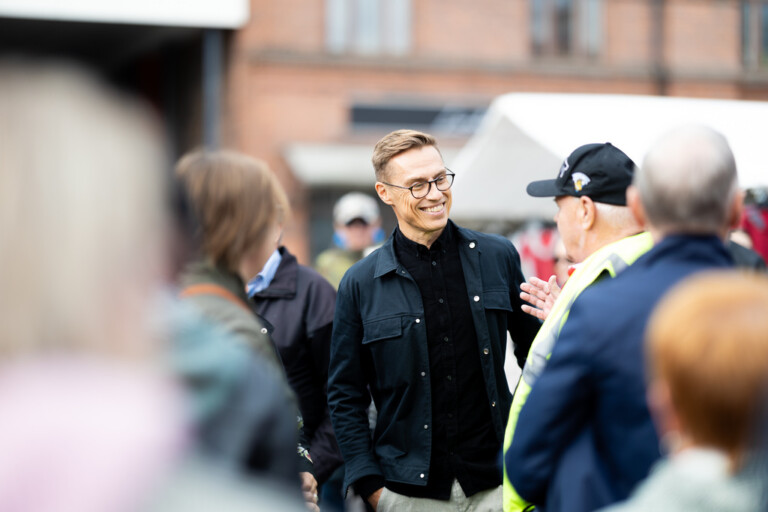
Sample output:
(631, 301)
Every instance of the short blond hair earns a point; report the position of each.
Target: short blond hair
(395, 143)
(235, 199)
(708, 342)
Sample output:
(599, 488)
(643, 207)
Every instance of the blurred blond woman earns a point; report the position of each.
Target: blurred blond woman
(88, 420)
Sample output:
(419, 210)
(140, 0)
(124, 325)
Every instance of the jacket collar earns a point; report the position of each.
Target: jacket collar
(708, 249)
(284, 283)
(387, 261)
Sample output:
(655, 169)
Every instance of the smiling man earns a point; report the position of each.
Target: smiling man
(421, 323)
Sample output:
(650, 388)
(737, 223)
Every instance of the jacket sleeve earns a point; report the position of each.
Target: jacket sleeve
(348, 394)
(555, 411)
(310, 367)
(319, 315)
(522, 326)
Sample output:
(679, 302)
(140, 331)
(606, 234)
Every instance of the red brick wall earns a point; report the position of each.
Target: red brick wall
(283, 88)
(703, 35)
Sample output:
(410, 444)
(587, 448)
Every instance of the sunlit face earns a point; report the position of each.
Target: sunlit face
(568, 226)
(420, 220)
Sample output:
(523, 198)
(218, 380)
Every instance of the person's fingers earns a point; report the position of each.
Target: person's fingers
(533, 292)
(533, 312)
(308, 482)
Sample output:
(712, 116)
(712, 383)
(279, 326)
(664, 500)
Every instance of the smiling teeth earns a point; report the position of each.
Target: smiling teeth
(434, 209)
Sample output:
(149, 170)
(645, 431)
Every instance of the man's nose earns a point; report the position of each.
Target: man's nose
(433, 192)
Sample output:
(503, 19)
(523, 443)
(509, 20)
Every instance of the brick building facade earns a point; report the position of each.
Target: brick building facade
(308, 78)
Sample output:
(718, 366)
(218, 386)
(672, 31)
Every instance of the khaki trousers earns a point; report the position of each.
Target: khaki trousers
(484, 501)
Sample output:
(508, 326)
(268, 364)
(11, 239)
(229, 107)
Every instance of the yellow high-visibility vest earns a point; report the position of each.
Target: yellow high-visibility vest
(606, 261)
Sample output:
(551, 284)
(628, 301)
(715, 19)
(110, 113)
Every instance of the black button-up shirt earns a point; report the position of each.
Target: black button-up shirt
(464, 443)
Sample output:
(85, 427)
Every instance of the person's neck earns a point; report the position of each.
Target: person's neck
(419, 237)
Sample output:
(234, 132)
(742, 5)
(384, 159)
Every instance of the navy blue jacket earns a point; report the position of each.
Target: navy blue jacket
(380, 343)
(585, 437)
(298, 308)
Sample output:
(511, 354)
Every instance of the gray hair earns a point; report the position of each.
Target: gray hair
(616, 216)
(688, 181)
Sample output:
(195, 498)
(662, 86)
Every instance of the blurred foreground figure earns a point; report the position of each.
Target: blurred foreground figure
(240, 208)
(584, 438)
(707, 352)
(89, 422)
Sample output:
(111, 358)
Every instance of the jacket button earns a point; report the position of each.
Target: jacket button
(493, 404)
(477, 298)
(263, 330)
(471, 245)
(418, 320)
(423, 374)
(426, 427)
(421, 475)
(486, 351)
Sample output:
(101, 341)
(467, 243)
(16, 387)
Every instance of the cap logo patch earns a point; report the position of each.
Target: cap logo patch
(563, 168)
(580, 180)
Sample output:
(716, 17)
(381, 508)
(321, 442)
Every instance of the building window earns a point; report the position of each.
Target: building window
(754, 31)
(566, 27)
(368, 27)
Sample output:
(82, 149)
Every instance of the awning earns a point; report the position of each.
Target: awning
(525, 137)
(184, 13)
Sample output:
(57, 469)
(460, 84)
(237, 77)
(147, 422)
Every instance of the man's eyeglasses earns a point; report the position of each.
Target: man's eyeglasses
(422, 188)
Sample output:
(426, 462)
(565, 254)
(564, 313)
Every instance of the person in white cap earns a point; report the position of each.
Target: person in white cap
(357, 227)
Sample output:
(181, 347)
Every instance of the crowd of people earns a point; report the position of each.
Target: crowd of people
(164, 351)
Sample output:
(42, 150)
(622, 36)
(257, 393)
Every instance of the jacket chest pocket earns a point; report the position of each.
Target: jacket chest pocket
(391, 345)
(497, 299)
(498, 307)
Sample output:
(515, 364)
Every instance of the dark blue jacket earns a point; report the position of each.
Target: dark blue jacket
(584, 437)
(380, 342)
(298, 308)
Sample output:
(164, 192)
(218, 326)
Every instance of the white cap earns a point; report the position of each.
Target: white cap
(356, 205)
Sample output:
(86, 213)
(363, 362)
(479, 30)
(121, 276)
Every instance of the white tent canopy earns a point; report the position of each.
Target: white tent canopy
(526, 136)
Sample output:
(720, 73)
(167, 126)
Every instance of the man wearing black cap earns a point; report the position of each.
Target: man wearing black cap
(585, 438)
(600, 233)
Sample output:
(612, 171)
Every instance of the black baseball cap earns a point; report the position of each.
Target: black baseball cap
(601, 172)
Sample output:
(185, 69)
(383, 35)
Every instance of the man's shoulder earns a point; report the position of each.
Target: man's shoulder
(363, 270)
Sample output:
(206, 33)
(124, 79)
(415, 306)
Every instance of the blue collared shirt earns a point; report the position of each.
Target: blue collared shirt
(264, 278)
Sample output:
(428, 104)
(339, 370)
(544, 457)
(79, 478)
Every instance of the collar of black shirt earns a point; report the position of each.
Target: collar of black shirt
(445, 241)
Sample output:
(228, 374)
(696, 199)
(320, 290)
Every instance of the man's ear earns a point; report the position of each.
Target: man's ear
(736, 210)
(587, 213)
(636, 205)
(383, 193)
(660, 406)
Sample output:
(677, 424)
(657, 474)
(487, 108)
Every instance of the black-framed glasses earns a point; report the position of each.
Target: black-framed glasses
(422, 188)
